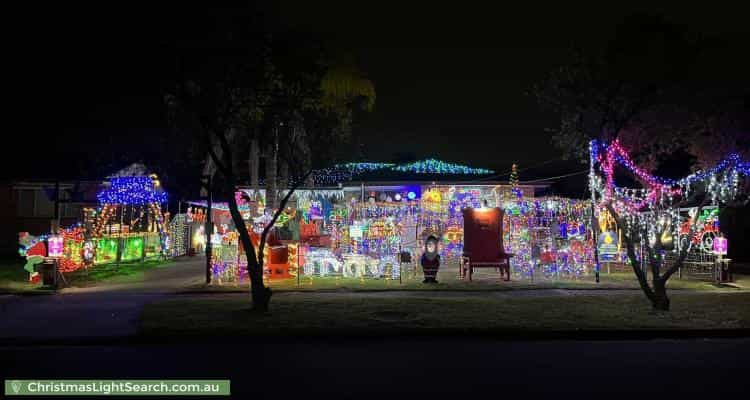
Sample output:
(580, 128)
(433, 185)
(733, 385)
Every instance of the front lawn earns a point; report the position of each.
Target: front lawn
(427, 314)
(113, 273)
(14, 279)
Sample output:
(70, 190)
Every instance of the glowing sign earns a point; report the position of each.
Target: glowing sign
(89, 251)
(608, 243)
(720, 246)
(355, 231)
(55, 246)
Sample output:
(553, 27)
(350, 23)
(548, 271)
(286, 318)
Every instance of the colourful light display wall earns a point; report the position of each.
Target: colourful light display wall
(133, 249)
(106, 250)
(356, 238)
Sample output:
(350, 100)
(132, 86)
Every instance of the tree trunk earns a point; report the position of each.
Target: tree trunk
(310, 181)
(210, 167)
(283, 176)
(272, 153)
(660, 300)
(254, 167)
(260, 294)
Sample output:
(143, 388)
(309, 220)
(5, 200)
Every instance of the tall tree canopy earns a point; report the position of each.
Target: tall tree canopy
(657, 87)
(284, 95)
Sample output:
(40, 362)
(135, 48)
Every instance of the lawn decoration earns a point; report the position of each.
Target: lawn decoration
(483, 242)
(34, 249)
(707, 228)
(131, 217)
(127, 226)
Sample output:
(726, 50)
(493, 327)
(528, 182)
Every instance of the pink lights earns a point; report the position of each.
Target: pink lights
(657, 188)
(720, 246)
(55, 246)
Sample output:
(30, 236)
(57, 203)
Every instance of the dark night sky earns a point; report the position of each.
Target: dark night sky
(450, 83)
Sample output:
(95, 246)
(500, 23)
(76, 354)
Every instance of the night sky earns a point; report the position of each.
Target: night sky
(451, 83)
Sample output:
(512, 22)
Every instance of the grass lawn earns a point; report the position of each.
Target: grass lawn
(483, 280)
(14, 279)
(325, 314)
(113, 273)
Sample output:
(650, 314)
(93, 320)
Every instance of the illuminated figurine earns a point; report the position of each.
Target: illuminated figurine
(34, 250)
(430, 260)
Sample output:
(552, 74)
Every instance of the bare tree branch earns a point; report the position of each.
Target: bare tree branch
(282, 206)
(629, 244)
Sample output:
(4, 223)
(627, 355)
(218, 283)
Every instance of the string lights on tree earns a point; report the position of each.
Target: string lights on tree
(650, 217)
(721, 181)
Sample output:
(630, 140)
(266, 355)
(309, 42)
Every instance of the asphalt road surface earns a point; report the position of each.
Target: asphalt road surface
(411, 368)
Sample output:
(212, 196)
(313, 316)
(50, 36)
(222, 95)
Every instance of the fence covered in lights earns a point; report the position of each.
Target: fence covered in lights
(379, 231)
(128, 225)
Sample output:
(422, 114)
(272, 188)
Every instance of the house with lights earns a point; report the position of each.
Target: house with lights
(357, 219)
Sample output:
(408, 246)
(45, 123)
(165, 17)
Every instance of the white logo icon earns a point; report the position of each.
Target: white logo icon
(16, 385)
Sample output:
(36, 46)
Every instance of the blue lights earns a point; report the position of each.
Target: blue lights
(131, 190)
(345, 172)
(433, 166)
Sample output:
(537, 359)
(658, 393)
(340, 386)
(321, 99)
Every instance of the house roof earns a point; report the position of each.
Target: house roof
(426, 170)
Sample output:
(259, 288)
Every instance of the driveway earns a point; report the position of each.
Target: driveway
(182, 273)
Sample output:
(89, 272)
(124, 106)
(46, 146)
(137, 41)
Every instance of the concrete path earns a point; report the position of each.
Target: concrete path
(181, 274)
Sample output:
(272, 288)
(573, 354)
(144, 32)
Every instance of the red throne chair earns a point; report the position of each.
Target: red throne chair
(277, 260)
(483, 242)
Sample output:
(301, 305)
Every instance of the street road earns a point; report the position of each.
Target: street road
(413, 368)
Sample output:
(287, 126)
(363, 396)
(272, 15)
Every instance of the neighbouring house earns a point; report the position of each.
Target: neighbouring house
(29, 206)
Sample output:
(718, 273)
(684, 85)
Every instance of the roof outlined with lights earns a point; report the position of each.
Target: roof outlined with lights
(423, 169)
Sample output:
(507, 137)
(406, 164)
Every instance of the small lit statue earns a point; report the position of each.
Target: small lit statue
(430, 260)
(34, 249)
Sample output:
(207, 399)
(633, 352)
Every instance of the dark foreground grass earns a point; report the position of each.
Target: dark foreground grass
(321, 314)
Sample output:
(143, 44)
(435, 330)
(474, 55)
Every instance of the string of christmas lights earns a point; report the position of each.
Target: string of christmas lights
(433, 166)
(722, 180)
(131, 190)
(346, 172)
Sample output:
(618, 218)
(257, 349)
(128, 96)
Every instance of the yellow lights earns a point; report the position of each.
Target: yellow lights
(433, 195)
